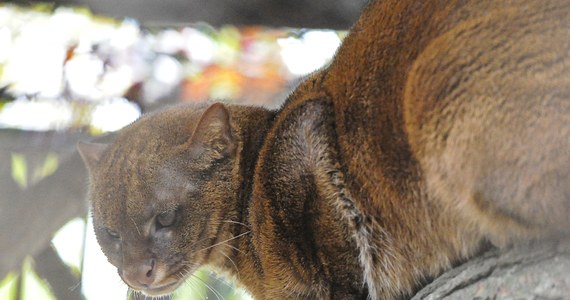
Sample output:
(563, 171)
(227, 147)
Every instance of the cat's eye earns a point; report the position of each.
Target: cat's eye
(166, 218)
(113, 234)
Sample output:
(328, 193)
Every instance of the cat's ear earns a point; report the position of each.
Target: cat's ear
(214, 133)
(91, 153)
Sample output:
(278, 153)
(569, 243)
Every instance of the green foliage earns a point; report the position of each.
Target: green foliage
(33, 287)
(194, 288)
(48, 167)
(19, 170)
(9, 286)
(203, 284)
(43, 7)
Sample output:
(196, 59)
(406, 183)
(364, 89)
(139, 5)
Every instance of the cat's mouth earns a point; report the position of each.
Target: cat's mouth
(164, 286)
(162, 290)
(155, 278)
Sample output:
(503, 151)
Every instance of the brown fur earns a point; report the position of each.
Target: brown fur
(439, 125)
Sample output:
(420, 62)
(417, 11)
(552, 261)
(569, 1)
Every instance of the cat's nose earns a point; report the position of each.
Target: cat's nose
(142, 275)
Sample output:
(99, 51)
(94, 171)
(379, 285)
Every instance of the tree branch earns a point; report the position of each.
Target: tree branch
(51, 268)
(530, 271)
(29, 218)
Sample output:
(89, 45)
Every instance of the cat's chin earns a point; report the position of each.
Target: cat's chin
(162, 290)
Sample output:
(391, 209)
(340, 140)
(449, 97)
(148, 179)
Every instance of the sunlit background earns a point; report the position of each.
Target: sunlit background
(65, 69)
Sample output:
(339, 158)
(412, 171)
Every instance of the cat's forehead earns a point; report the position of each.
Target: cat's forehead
(124, 213)
(135, 177)
(137, 188)
(121, 188)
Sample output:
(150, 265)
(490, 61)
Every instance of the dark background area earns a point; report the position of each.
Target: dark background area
(331, 14)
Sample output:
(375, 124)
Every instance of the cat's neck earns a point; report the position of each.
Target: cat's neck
(252, 125)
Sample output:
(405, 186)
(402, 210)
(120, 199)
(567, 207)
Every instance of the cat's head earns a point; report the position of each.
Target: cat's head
(161, 194)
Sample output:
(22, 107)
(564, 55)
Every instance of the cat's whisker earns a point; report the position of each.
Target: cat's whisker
(226, 221)
(191, 280)
(134, 293)
(174, 294)
(235, 248)
(187, 266)
(216, 293)
(225, 241)
(196, 242)
(238, 223)
(192, 285)
(136, 226)
(233, 263)
(144, 296)
(220, 280)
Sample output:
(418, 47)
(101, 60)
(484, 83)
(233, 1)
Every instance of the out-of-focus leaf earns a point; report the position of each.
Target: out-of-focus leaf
(33, 287)
(82, 10)
(9, 287)
(95, 131)
(342, 34)
(227, 51)
(49, 167)
(19, 170)
(43, 7)
(230, 36)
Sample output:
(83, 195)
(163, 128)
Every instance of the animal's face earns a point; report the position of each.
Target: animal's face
(160, 199)
(147, 232)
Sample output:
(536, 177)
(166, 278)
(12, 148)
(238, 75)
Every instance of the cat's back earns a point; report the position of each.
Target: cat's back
(442, 92)
(430, 97)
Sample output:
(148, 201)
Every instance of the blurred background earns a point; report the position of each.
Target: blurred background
(81, 70)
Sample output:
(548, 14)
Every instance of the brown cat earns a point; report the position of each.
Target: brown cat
(438, 126)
